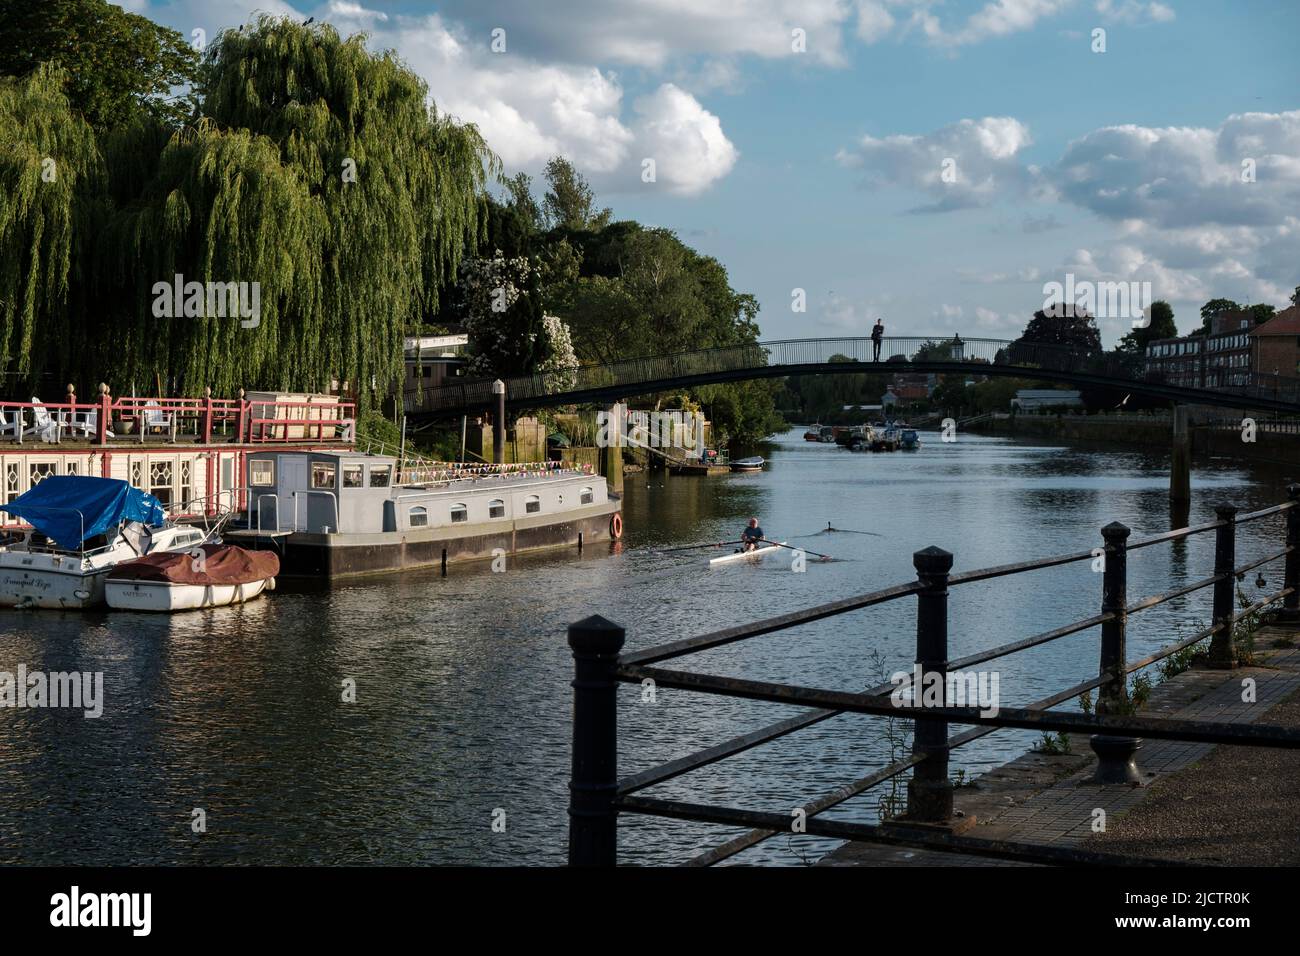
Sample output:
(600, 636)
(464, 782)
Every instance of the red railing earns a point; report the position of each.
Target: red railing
(118, 420)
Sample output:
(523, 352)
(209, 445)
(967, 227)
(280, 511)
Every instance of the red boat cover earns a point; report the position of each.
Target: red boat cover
(220, 564)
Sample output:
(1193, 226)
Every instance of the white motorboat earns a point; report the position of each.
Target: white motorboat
(214, 575)
(82, 528)
(756, 555)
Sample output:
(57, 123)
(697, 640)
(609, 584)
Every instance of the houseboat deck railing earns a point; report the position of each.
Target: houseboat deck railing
(446, 474)
(235, 420)
(260, 499)
(306, 494)
(598, 796)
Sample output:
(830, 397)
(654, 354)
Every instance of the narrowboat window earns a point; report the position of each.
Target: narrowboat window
(322, 474)
(379, 475)
(587, 496)
(532, 504)
(261, 473)
(351, 476)
(418, 517)
(496, 508)
(459, 513)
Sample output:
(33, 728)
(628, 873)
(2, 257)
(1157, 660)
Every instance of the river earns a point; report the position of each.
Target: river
(462, 702)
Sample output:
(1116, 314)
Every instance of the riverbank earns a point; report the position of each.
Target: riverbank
(1199, 804)
(1274, 443)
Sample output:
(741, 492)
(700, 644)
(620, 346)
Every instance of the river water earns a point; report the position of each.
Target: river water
(461, 716)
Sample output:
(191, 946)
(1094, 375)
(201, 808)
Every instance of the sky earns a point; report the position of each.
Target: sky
(933, 163)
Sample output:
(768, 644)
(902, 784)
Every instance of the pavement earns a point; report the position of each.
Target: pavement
(1199, 804)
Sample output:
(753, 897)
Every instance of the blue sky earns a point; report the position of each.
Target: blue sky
(821, 168)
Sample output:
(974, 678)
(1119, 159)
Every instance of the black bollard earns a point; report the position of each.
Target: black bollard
(929, 792)
(593, 785)
(1222, 656)
(1115, 755)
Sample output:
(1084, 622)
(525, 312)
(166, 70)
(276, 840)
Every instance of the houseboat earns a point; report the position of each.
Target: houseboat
(334, 514)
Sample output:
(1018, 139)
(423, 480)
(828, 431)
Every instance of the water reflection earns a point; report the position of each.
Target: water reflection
(462, 695)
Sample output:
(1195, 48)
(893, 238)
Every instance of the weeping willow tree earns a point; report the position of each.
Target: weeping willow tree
(51, 180)
(220, 208)
(392, 195)
(318, 171)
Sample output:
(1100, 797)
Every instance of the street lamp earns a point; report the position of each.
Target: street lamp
(499, 423)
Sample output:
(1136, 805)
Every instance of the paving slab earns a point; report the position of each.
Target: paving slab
(1199, 803)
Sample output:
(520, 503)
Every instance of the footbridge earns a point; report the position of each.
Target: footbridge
(944, 354)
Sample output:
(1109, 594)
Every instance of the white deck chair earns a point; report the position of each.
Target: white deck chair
(88, 426)
(155, 417)
(46, 427)
(10, 428)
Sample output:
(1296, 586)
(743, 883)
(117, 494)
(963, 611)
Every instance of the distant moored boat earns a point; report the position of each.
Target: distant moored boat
(748, 464)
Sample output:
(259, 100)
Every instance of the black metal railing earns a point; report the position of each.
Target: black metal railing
(598, 796)
(647, 374)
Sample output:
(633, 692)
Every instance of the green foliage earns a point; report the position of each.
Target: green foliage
(1140, 691)
(317, 170)
(892, 800)
(1068, 326)
(1216, 307)
(625, 291)
(372, 426)
(117, 66)
(1053, 745)
(51, 182)
(1244, 630)
(822, 398)
(1161, 326)
(1180, 661)
(569, 202)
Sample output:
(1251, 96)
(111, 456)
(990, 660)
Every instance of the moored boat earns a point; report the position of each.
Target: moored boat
(82, 528)
(911, 441)
(856, 438)
(214, 575)
(331, 514)
(888, 440)
(748, 464)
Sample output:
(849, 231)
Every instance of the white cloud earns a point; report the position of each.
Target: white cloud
(527, 109)
(874, 21)
(838, 314)
(968, 163)
(651, 33)
(1134, 11)
(1186, 176)
(684, 139)
(1183, 217)
(998, 18)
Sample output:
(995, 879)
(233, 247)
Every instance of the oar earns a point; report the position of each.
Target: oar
(693, 547)
(815, 554)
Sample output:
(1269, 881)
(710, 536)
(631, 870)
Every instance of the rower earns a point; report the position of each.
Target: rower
(751, 536)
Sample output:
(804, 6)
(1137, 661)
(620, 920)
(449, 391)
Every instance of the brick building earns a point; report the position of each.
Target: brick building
(1218, 360)
(1275, 344)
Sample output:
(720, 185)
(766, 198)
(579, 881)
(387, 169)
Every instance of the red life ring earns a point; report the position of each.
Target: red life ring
(616, 526)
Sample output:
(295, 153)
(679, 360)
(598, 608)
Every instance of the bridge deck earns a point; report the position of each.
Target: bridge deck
(1122, 372)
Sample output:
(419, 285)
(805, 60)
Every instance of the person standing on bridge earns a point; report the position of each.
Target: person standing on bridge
(877, 333)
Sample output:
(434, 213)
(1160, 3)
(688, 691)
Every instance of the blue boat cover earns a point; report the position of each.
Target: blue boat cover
(68, 509)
